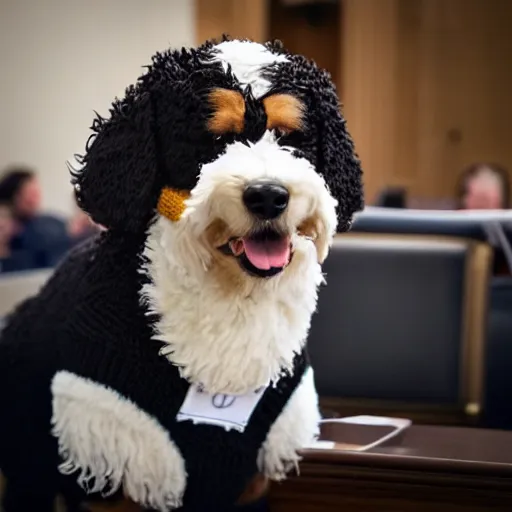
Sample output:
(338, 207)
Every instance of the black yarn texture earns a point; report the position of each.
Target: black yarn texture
(89, 318)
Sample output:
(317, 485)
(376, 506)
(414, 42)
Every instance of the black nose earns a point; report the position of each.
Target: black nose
(266, 199)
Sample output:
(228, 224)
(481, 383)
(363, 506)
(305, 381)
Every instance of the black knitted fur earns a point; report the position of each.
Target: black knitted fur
(157, 136)
(89, 318)
(88, 321)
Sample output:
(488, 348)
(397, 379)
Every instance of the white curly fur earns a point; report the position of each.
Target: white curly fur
(296, 428)
(237, 342)
(246, 59)
(113, 444)
(239, 339)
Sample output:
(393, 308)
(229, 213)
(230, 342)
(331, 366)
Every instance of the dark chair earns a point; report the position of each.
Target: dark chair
(498, 372)
(400, 327)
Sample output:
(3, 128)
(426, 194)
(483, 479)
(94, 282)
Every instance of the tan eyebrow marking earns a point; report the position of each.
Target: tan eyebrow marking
(228, 111)
(284, 112)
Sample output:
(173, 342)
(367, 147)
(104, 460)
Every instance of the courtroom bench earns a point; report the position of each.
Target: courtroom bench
(429, 469)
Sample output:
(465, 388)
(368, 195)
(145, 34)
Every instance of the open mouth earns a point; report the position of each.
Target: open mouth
(262, 254)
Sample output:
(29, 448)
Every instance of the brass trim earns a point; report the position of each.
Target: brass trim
(473, 409)
(477, 274)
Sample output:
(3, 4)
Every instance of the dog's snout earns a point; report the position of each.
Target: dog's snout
(266, 199)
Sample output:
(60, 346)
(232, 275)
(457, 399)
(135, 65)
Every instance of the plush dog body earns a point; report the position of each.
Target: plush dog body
(221, 177)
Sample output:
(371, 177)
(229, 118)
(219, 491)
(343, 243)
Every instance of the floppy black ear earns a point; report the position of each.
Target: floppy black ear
(325, 139)
(148, 140)
(337, 160)
(116, 184)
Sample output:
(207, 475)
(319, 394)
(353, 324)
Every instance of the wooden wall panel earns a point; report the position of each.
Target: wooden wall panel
(369, 78)
(426, 87)
(406, 122)
(238, 18)
(312, 30)
(465, 111)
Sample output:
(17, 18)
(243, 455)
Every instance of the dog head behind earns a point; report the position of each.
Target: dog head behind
(252, 135)
(241, 154)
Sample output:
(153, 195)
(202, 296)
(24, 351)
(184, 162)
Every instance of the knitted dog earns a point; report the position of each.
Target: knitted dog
(165, 361)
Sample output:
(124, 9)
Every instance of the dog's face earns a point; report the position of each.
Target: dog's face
(255, 209)
(243, 151)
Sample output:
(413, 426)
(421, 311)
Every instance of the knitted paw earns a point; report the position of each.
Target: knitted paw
(113, 444)
(296, 428)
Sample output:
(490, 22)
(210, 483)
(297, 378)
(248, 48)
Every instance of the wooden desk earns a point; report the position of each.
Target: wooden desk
(429, 469)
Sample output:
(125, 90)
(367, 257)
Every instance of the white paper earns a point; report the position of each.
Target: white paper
(398, 425)
(321, 445)
(227, 411)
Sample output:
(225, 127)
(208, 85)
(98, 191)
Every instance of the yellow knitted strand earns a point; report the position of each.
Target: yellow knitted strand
(172, 203)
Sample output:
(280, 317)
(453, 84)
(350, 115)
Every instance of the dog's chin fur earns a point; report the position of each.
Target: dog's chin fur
(226, 329)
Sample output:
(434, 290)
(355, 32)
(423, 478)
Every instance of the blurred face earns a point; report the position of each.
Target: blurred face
(484, 192)
(28, 200)
(6, 224)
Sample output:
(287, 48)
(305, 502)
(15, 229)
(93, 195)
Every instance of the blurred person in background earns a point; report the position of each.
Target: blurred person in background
(43, 237)
(10, 260)
(483, 187)
(392, 197)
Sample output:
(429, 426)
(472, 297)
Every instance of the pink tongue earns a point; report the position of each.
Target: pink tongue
(264, 254)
